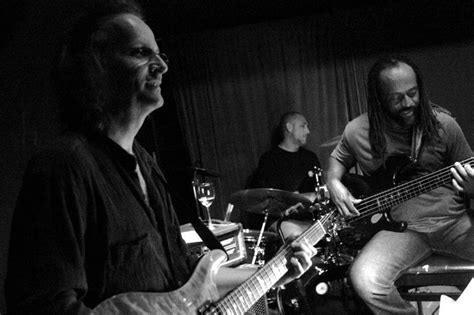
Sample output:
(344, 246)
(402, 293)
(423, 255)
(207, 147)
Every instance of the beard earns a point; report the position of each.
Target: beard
(404, 117)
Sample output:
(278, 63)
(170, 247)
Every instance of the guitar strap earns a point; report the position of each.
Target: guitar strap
(416, 141)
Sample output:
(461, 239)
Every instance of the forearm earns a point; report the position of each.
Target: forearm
(334, 172)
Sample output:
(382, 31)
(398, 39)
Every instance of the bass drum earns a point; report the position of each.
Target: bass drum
(324, 288)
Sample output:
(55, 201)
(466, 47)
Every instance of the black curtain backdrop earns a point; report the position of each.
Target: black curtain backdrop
(231, 86)
(227, 87)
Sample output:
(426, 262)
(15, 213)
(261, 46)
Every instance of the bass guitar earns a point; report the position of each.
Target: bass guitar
(375, 206)
(199, 294)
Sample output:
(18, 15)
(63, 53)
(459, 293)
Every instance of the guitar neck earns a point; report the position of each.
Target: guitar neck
(244, 296)
(387, 199)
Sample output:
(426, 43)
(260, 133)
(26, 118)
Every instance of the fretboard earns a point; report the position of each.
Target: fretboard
(387, 199)
(244, 296)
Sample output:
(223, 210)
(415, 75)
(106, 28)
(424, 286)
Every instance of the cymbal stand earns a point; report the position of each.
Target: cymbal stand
(322, 196)
(258, 249)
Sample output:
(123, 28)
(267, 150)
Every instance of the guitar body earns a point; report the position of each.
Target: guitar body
(200, 296)
(198, 290)
(397, 169)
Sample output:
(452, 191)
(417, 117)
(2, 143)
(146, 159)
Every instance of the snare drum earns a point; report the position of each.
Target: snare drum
(269, 245)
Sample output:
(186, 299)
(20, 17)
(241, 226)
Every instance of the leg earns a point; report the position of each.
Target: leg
(456, 239)
(378, 265)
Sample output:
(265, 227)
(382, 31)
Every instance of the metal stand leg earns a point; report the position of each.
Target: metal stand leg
(258, 249)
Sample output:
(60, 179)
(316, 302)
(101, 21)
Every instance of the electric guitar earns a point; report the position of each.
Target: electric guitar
(375, 208)
(199, 293)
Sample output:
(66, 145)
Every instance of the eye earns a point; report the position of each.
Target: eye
(412, 93)
(164, 57)
(395, 99)
(141, 52)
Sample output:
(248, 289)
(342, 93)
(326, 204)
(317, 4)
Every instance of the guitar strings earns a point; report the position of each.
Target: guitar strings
(236, 299)
(391, 196)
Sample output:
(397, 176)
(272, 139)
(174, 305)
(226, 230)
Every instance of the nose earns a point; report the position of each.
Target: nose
(158, 68)
(408, 101)
(159, 65)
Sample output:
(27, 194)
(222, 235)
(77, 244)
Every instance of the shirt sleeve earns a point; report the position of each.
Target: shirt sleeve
(343, 152)
(46, 270)
(458, 147)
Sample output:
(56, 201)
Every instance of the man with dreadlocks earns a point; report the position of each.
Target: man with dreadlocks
(402, 121)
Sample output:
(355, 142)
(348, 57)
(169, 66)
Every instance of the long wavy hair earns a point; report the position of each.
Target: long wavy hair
(378, 117)
(78, 74)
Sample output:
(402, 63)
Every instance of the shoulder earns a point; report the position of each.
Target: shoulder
(359, 122)
(445, 118)
(308, 152)
(447, 122)
(357, 129)
(68, 151)
(276, 151)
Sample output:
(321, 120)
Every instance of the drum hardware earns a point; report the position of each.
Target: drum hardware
(266, 201)
(261, 246)
(326, 279)
(258, 249)
(320, 189)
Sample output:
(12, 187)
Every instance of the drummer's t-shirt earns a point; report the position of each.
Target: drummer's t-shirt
(290, 171)
(280, 169)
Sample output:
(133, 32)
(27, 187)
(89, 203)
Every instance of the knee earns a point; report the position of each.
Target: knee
(365, 280)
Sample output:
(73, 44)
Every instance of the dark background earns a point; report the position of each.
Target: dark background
(439, 34)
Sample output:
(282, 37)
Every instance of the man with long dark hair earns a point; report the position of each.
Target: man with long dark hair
(94, 217)
(401, 121)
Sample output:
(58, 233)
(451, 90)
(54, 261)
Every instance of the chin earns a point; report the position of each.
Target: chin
(154, 102)
(160, 103)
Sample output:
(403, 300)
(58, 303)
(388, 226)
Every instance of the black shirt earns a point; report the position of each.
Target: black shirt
(83, 232)
(285, 170)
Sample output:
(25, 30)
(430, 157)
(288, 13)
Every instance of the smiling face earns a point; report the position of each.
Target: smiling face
(132, 63)
(400, 94)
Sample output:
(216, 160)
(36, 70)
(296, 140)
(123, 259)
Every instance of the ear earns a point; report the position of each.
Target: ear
(289, 126)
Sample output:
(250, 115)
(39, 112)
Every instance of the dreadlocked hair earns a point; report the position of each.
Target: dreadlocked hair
(425, 120)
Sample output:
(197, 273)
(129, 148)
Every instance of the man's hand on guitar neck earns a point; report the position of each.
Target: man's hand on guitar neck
(463, 178)
(300, 260)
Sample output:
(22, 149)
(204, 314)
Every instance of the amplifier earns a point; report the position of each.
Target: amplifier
(229, 234)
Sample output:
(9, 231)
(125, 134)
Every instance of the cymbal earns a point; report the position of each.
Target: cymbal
(330, 142)
(267, 200)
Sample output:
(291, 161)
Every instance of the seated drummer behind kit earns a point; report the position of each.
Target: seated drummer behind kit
(401, 120)
(94, 217)
(288, 166)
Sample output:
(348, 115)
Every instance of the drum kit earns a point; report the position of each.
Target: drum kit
(330, 265)
(327, 277)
